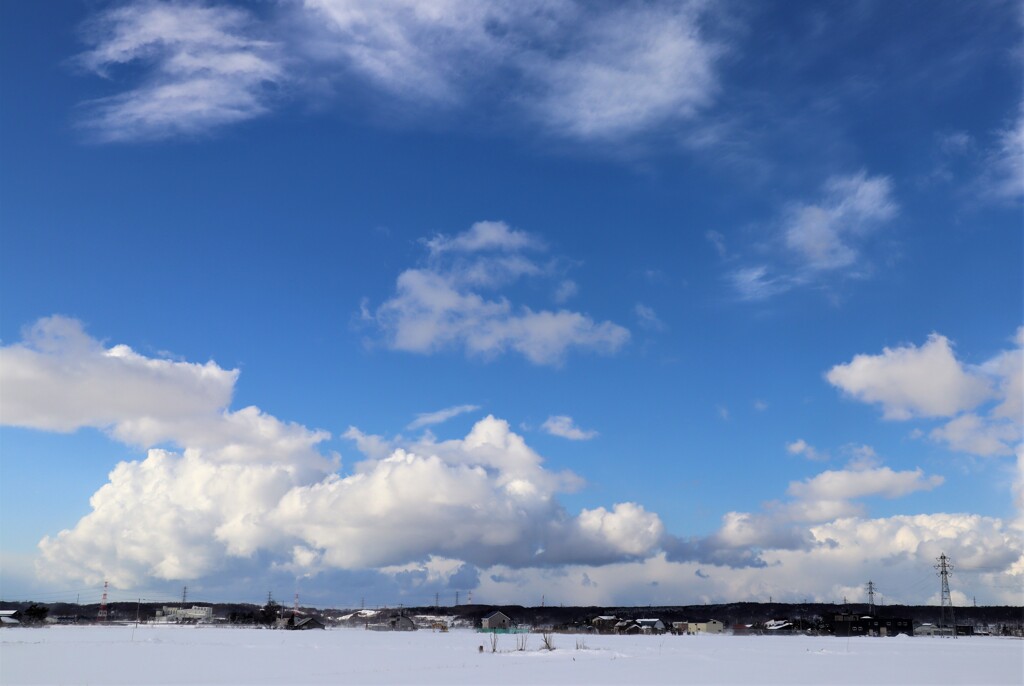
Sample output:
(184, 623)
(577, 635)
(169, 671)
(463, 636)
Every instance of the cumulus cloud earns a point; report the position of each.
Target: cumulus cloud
(842, 553)
(744, 537)
(440, 416)
(859, 483)
(930, 382)
(204, 67)
(911, 381)
(245, 485)
(59, 378)
(246, 491)
(564, 426)
(440, 305)
(485, 499)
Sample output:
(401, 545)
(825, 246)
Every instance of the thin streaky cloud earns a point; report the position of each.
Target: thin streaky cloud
(440, 416)
(203, 68)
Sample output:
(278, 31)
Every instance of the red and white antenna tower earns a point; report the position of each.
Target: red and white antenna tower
(102, 615)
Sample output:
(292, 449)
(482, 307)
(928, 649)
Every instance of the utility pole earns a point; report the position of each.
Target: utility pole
(871, 598)
(944, 568)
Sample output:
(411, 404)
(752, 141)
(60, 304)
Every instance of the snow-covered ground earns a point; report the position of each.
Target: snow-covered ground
(207, 655)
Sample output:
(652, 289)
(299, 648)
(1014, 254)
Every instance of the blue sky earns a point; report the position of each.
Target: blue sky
(616, 303)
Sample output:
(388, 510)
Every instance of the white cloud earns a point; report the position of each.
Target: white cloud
(580, 70)
(859, 483)
(970, 433)
(246, 487)
(823, 235)
(754, 283)
(910, 381)
(1004, 174)
(803, 448)
(564, 426)
(929, 382)
(440, 416)
(843, 553)
(204, 68)
(826, 236)
(648, 317)
(484, 236)
(626, 71)
(565, 291)
(717, 239)
(415, 50)
(60, 379)
(486, 499)
(436, 307)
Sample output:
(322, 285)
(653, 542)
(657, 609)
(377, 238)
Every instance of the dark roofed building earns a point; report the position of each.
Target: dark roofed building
(846, 624)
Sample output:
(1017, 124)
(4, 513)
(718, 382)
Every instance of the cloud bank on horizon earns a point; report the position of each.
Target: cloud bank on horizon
(220, 487)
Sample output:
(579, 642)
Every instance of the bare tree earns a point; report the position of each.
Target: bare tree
(521, 640)
(494, 642)
(548, 640)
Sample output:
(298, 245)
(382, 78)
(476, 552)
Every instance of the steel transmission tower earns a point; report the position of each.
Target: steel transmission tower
(871, 598)
(945, 568)
(102, 614)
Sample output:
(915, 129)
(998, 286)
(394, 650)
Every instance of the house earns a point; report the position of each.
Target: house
(932, 630)
(705, 626)
(495, 620)
(393, 623)
(651, 626)
(680, 628)
(845, 624)
(627, 627)
(605, 624)
(305, 624)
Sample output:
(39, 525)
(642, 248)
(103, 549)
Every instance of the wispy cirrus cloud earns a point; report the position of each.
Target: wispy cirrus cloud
(579, 70)
(440, 416)
(824, 236)
(1004, 176)
(203, 67)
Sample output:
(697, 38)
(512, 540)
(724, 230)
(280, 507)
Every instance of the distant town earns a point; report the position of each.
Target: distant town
(739, 619)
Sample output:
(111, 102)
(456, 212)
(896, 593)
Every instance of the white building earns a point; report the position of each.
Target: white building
(710, 626)
(196, 613)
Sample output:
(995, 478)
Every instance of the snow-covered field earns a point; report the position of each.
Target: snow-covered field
(201, 655)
